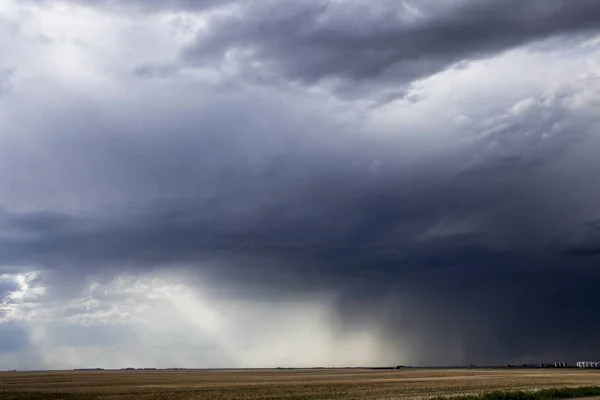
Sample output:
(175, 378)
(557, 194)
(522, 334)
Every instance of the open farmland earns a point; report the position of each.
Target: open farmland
(287, 384)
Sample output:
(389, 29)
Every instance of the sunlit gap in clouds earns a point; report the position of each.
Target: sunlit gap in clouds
(160, 321)
(18, 291)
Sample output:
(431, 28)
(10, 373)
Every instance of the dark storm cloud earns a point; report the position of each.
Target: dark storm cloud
(396, 42)
(480, 251)
(582, 240)
(500, 303)
(439, 251)
(365, 240)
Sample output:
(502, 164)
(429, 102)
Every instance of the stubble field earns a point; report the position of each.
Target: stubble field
(282, 384)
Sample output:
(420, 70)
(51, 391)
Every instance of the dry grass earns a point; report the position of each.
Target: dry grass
(282, 384)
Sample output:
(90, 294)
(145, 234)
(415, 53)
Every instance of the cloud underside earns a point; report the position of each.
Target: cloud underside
(357, 45)
(250, 183)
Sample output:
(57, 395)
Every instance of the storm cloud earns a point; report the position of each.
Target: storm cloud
(391, 43)
(310, 183)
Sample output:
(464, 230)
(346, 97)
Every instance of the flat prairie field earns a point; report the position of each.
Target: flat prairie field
(410, 383)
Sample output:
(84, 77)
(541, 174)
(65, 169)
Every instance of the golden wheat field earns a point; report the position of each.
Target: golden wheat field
(282, 383)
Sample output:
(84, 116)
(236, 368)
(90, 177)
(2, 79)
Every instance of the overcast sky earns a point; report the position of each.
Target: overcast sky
(261, 183)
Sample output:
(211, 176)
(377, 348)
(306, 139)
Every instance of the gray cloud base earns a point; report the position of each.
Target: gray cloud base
(390, 43)
(488, 244)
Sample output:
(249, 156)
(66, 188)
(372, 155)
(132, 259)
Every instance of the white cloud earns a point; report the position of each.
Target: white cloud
(22, 292)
